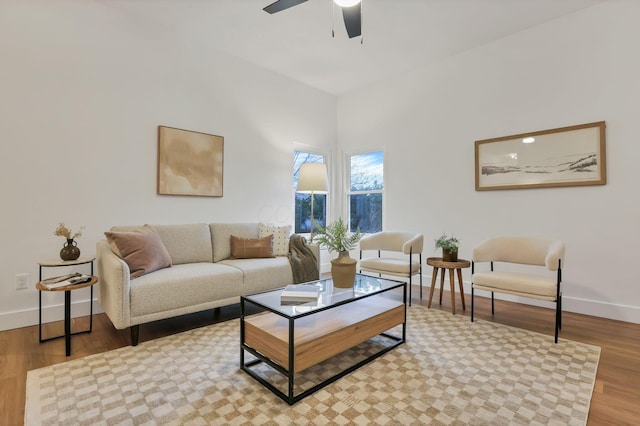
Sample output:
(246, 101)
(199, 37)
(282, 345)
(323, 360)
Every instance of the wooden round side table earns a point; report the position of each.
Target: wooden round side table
(440, 264)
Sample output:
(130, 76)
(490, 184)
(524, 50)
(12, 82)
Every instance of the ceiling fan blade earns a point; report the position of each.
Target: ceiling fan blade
(353, 20)
(280, 5)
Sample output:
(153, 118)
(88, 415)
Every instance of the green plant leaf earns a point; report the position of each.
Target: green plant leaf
(336, 237)
(449, 243)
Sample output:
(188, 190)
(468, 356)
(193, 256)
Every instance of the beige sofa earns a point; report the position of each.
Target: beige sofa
(201, 275)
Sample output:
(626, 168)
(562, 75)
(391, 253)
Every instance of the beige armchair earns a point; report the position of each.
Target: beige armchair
(408, 243)
(524, 251)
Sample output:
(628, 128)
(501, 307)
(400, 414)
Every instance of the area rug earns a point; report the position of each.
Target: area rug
(450, 371)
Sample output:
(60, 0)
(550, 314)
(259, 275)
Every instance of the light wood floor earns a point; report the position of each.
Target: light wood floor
(616, 397)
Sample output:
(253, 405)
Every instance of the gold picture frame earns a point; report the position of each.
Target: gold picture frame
(189, 163)
(566, 156)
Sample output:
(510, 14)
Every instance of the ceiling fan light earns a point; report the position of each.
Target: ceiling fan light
(346, 3)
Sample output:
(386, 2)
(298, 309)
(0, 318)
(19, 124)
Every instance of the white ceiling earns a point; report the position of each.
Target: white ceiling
(398, 35)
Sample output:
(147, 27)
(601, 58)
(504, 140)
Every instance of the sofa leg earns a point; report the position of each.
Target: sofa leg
(135, 333)
(216, 313)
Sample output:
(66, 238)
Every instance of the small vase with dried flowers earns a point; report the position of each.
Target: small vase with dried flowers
(70, 250)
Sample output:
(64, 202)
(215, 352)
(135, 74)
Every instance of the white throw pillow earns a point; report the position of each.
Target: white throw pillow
(280, 237)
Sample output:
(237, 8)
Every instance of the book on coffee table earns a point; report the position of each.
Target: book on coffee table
(299, 293)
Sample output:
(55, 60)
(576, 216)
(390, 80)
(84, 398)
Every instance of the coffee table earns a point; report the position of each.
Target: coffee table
(293, 338)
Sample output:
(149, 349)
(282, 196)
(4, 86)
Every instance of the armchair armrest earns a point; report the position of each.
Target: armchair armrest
(414, 245)
(399, 241)
(483, 252)
(372, 241)
(555, 255)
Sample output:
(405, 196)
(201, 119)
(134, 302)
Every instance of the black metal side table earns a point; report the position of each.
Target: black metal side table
(67, 298)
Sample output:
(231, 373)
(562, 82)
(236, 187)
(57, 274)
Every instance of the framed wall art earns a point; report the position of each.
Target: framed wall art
(567, 156)
(189, 163)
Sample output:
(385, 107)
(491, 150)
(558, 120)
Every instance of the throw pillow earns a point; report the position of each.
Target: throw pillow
(141, 249)
(250, 248)
(280, 237)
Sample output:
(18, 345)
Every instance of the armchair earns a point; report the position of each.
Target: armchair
(408, 243)
(525, 251)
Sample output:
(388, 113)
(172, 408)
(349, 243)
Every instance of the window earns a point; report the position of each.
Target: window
(366, 184)
(302, 214)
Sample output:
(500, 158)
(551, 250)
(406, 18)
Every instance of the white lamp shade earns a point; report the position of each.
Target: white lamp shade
(346, 3)
(312, 179)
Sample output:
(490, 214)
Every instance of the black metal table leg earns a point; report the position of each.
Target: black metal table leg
(91, 305)
(91, 311)
(40, 307)
(67, 321)
(40, 316)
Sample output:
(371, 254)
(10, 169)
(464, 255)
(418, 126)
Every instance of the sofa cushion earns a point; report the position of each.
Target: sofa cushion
(251, 248)
(280, 237)
(141, 248)
(262, 274)
(530, 285)
(221, 237)
(390, 265)
(189, 243)
(182, 286)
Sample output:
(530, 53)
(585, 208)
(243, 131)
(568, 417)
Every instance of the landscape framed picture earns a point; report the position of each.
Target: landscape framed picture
(567, 156)
(189, 163)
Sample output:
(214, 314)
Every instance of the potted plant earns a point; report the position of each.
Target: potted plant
(337, 238)
(449, 246)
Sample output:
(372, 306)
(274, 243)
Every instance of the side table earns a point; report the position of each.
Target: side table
(438, 263)
(67, 298)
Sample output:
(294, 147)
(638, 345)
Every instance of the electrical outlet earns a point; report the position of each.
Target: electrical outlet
(22, 281)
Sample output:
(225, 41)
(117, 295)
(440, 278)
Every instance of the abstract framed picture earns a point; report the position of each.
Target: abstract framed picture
(567, 156)
(189, 163)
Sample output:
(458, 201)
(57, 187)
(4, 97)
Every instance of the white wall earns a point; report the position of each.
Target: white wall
(83, 87)
(577, 69)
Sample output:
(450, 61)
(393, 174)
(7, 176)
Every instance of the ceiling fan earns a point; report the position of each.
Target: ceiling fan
(351, 12)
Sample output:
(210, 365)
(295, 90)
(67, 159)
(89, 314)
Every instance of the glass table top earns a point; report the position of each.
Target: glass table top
(364, 286)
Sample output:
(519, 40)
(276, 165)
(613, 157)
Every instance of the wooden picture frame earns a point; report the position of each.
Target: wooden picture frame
(566, 156)
(189, 163)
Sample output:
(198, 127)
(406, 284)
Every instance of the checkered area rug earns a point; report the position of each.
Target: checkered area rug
(450, 371)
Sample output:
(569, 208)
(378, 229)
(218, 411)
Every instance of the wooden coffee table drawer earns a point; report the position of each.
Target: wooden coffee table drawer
(319, 337)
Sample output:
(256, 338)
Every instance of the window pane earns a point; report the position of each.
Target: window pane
(302, 213)
(366, 182)
(367, 171)
(366, 212)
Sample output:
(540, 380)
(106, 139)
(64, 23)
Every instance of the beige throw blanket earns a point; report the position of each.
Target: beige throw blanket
(303, 261)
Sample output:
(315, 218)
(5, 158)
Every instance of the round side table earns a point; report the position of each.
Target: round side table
(440, 264)
(67, 299)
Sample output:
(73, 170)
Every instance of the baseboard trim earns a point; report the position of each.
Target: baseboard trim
(593, 308)
(52, 313)
(80, 308)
